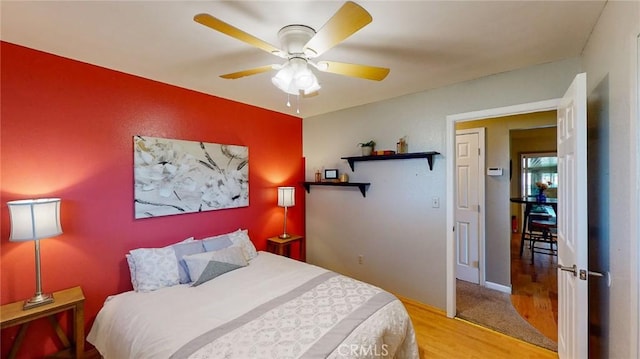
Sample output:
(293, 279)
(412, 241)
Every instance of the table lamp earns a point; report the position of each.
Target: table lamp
(286, 198)
(32, 220)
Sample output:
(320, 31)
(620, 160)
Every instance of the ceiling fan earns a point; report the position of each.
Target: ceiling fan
(299, 45)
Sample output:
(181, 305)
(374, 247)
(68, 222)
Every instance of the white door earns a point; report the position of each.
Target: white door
(468, 194)
(572, 221)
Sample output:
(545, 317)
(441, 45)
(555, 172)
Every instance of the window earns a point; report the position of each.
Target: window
(539, 167)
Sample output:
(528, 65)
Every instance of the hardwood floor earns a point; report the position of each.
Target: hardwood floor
(534, 291)
(442, 337)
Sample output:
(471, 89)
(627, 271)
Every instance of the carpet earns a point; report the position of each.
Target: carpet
(493, 309)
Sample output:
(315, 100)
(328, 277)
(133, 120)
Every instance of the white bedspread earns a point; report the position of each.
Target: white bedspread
(161, 323)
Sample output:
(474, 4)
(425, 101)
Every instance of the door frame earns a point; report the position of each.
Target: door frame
(481, 197)
(635, 112)
(451, 121)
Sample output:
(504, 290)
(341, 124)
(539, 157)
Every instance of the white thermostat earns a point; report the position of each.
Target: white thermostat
(494, 171)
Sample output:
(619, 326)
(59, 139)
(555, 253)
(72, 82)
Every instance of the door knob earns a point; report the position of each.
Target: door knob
(584, 273)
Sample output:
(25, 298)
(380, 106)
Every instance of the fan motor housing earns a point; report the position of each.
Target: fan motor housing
(294, 37)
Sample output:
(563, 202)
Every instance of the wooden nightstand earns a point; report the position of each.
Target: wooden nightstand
(68, 299)
(282, 246)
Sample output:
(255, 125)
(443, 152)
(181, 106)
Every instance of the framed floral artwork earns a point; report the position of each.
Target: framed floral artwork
(177, 176)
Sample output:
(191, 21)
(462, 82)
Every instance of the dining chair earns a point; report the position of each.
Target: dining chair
(542, 237)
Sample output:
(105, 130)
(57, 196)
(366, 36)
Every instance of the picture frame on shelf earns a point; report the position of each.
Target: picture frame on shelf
(331, 174)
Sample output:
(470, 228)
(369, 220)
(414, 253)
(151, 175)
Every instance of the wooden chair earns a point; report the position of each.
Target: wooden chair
(536, 214)
(542, 237)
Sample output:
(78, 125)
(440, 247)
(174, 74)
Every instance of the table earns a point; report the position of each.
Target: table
(529, 202)
(69, 299)
(282, 246)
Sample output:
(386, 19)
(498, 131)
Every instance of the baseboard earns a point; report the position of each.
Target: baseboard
(498, 287)
(419, 304)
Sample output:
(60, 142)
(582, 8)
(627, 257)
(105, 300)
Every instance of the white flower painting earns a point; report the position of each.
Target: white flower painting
(177, 176)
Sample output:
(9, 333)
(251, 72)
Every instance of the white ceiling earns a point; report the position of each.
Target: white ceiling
(426, 44)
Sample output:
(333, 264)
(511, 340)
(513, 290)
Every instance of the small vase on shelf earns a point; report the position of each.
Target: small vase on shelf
(367, 147)
(540, 197)
(367, 150)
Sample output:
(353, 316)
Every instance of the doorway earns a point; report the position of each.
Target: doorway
(572, 224)
(452, 121)
(532, 132)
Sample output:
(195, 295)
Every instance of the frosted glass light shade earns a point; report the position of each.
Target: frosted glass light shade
(33, 219)
(286, 196)
(295, 76)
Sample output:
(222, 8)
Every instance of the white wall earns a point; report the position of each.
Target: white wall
(610, 60)
(401, 237)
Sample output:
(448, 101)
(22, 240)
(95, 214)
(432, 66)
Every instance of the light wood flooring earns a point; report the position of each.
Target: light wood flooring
(442, 337)
(534, 292)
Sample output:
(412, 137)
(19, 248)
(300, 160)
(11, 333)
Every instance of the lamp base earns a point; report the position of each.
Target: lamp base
(38, 300)
(284, 236)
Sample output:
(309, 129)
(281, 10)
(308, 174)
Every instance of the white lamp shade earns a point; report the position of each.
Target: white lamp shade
(286, 196)
(33, 219)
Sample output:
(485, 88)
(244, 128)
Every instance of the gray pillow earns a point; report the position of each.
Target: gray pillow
(183, 249)
(214, 269)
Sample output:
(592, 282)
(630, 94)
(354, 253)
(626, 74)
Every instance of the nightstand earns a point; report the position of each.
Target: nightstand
(69, 299)
(282, 246)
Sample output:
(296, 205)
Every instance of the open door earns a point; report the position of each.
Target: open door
(572, 222)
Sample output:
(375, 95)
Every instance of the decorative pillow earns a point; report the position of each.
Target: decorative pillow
(132, 263)
(213, 270)
(132, 271)
(216, 242)
(241, 238)
(182, 249)
(197, 263)
(155, 268)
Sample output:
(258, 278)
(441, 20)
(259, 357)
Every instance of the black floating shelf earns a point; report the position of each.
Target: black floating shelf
(362, 186)
(397, 156)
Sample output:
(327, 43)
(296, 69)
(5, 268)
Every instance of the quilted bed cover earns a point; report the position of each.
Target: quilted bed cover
(273, 308)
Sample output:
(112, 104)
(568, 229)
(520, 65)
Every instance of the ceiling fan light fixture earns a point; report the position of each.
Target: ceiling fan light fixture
(299, 45)
(295, 77)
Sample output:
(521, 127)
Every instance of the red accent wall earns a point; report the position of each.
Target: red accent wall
(67, 130)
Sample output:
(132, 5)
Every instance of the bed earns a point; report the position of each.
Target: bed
(273, 307)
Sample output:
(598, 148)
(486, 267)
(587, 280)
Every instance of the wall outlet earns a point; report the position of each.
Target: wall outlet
(435, 202)
(360, 259)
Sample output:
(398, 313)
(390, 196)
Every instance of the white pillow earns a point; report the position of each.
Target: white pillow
(241, 238)
(131, 263)
(155, 268)
(198, 262)
(132, 271)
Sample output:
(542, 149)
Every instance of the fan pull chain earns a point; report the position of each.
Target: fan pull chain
(298, 105)
(288, 102)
